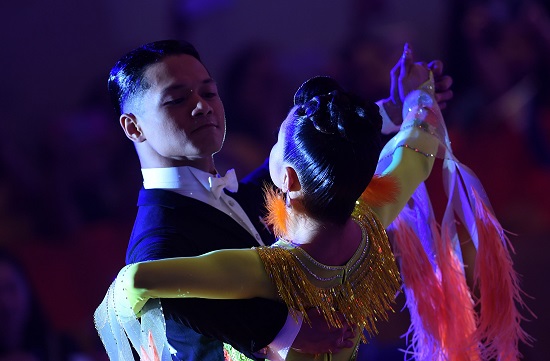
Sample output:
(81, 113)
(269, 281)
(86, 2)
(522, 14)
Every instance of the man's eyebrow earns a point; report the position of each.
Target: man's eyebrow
(208, 81)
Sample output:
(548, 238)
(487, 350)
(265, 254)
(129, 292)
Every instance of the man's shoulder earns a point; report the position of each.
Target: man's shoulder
(162, 197)
(170, 224)
(158, 207)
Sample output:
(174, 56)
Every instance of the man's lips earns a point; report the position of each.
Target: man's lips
(205, 126)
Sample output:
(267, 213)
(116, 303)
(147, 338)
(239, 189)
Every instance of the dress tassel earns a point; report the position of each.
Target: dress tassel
(499, 324)
(443, 320)
(460, 325)
(423, 294)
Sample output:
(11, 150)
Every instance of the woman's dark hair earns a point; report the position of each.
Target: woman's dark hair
(126, 77)
(333, 141)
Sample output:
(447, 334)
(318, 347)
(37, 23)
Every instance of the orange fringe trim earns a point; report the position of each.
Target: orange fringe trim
(380, 191)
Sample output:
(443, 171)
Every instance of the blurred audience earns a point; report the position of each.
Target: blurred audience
(499, 57)
(67, 200)
(92, 175)
(363, 65)
(256, 95)
(15, 222)
(25, 333)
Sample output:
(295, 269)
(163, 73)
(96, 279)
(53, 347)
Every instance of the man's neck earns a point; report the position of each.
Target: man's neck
(204, 164)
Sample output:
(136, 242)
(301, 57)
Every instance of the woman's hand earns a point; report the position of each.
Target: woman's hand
(410, 74)
(407, 76)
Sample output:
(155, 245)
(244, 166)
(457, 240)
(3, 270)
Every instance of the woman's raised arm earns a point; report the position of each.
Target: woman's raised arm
(409, 157)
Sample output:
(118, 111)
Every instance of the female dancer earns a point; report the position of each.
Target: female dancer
(330, 216)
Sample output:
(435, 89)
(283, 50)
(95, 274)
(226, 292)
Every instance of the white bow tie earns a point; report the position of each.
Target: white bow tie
(228, 181)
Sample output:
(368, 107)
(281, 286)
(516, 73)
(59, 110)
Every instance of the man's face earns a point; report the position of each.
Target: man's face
(180, 115)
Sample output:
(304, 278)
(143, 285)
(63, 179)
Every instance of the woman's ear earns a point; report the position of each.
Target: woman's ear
(291, 181)
(129, 124)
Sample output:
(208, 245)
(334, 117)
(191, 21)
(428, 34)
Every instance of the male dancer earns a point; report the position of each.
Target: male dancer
(170, 108)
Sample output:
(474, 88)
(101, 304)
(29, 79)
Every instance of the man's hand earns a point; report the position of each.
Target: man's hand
(443, 92)
(319, 337)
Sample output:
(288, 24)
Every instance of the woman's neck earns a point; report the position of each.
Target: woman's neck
(329, 243)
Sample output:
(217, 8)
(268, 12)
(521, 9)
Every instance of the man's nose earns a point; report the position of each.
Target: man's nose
(201, 107)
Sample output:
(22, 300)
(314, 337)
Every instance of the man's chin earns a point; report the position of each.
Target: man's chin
(219, 149)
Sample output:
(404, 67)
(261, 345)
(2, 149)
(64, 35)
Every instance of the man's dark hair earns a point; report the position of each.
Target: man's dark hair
(126, 77)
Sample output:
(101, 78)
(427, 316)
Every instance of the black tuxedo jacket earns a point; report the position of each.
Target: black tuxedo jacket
(171, 225)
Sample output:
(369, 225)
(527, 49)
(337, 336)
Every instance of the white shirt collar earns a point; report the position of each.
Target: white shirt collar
(182, 178)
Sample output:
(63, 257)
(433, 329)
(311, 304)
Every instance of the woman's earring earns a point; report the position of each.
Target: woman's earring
(277, 211)
(287, 199)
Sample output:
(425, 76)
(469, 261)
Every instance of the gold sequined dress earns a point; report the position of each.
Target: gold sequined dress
(362, 290)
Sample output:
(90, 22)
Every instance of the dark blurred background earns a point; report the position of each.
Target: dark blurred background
(69, 178)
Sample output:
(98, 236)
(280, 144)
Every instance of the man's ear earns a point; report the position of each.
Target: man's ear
(129, 124)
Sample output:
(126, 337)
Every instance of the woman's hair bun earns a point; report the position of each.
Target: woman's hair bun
(318, 85)
(329, 133)
(335, 111)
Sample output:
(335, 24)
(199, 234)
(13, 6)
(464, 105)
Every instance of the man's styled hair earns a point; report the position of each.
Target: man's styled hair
(126, 77)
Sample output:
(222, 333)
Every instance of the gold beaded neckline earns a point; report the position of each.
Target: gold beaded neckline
(323, 275)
